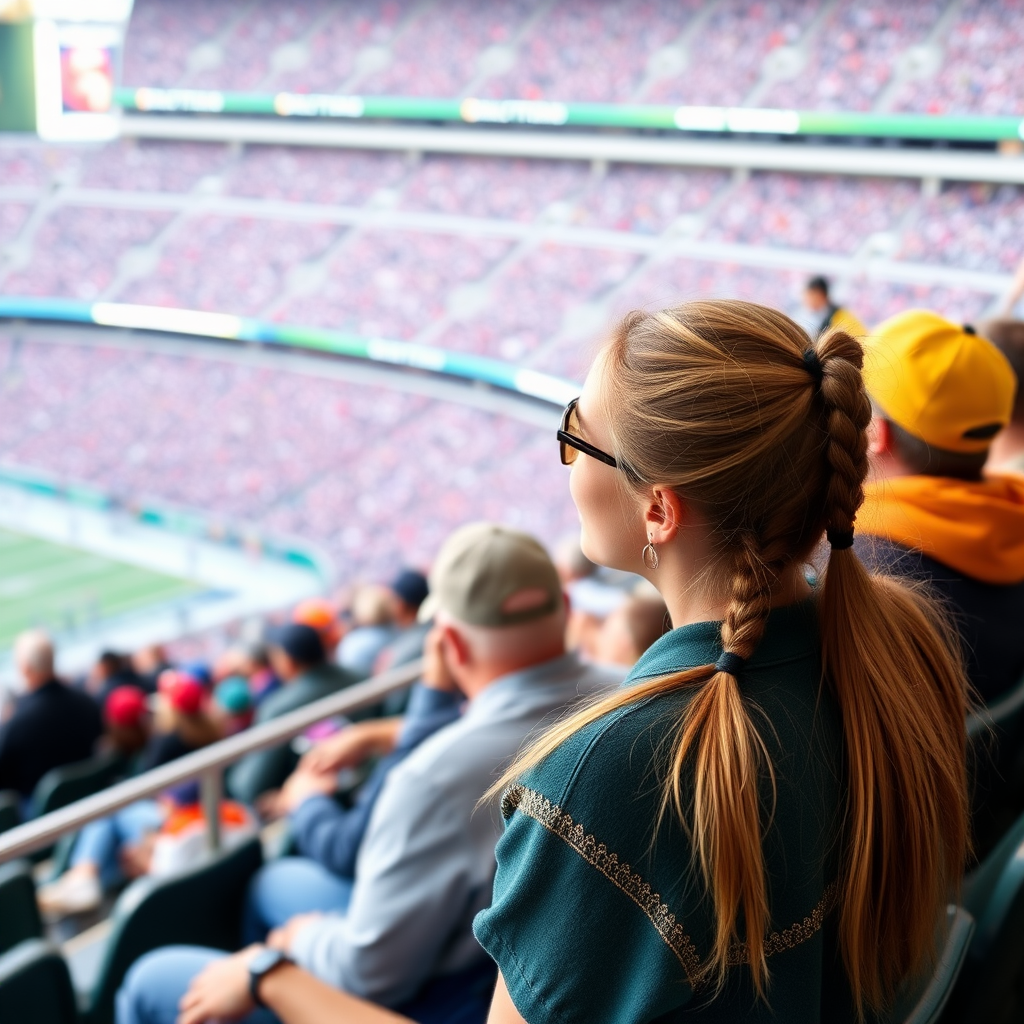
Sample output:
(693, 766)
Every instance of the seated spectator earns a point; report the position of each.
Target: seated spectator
(630, 630)
(252, 662)
(51, 724)
(328, 836)
(406, 594)
(148, 663)
(373, 628)
(128, 722)
(427, 860)
(824, 313)
(233, 707)
(570, 561)
(111, 850)
(1007, 451)
(111, 671)
(297, 657)
(941, 394)
(322, 615)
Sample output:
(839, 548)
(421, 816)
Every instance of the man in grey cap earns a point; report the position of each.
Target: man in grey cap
(427, 862)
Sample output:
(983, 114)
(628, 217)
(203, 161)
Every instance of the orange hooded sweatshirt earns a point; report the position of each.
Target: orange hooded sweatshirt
(974, 527)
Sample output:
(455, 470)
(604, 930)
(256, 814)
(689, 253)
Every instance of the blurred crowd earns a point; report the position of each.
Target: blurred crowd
(845, 56)
(148, 707)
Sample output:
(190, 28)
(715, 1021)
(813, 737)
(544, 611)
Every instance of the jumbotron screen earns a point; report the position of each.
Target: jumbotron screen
(59, 66)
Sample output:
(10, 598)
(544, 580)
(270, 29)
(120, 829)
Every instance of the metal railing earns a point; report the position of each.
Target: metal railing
(207, 765)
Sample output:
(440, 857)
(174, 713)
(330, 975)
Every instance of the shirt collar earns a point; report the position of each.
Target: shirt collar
(790, 633)
(522, 688)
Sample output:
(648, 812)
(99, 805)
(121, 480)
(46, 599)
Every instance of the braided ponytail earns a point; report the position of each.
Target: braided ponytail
(723, 402)
(902, 697)
(729, 757)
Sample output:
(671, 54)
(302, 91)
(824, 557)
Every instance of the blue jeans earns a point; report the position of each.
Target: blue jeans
(152, 989)
(100, 842)
(155, 984)
(290, 886)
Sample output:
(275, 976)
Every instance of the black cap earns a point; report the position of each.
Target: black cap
(301, 643)
(411, 587)
(818, 284)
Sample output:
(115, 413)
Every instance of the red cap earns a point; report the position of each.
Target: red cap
(182, 691)
(125, 707)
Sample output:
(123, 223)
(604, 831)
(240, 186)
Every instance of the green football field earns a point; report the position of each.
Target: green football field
(62, 588)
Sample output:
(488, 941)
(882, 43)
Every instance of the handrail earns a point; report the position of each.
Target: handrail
(205, 764)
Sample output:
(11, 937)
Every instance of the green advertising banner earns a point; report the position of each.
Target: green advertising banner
(732, 120)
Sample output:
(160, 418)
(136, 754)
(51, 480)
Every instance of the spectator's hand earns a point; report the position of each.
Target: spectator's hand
(283, 937)
(136, 858)
(220, 992)
(352, 746)
(436, 673)
(268, 805)
(303, 784)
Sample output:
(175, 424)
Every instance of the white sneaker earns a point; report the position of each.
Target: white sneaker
(73, 893)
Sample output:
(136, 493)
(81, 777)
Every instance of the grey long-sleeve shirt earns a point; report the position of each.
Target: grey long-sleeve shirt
(427, 862)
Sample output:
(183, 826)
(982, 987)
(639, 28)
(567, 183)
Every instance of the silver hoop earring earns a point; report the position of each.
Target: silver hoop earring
(649, 555)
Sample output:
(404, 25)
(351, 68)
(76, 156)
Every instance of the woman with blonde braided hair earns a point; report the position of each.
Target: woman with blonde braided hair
(767, 821)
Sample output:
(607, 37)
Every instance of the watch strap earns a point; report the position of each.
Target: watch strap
(261, 965)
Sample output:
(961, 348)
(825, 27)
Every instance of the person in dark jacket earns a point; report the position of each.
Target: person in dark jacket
(52, 725)
(933, 512)
(298, 658)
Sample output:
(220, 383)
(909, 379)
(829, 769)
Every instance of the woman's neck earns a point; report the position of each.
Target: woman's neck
(689, 601)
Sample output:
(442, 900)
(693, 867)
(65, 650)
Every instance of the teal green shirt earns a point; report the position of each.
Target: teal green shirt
(599, 913)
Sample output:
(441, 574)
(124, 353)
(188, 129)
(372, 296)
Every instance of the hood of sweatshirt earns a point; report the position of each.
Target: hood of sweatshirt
(974, 527)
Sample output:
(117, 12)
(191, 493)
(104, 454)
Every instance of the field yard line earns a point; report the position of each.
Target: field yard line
(49, 580)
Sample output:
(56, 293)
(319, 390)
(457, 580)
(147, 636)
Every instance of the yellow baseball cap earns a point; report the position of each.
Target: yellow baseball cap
(939, 381)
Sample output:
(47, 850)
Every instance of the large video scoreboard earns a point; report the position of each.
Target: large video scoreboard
(60, 61)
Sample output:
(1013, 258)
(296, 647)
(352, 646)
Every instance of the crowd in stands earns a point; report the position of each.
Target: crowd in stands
(272, 441)
(794, 212)
(594, 51)
(974, 227)
(392, 285)
(281, 259)
(212, 265)
(91, 243)
(976, 74)
(854, 54)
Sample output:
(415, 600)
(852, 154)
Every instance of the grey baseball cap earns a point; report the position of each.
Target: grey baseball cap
(490, 575)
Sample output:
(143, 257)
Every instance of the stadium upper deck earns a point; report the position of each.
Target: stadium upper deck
(521, 260)
(926, 56)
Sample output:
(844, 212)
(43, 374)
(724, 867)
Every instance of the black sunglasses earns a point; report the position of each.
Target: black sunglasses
(569, 444)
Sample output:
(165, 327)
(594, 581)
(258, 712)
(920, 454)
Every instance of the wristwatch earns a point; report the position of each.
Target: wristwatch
(260, 966)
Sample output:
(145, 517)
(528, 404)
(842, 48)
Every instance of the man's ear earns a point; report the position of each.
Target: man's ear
(879, 436)
(454, 646)
(664, 514)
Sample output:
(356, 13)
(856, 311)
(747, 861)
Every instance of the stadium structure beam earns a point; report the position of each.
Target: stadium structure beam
(802, 158)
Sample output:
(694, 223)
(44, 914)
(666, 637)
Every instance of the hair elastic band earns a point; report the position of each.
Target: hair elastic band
(730, 663)
(813, 364)
(840, 539)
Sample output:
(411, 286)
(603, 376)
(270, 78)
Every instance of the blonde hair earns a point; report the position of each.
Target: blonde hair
(721, 401)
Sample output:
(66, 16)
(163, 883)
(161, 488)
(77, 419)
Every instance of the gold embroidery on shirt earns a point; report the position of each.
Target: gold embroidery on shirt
(555, 820)
(795, 933)
(596, 854)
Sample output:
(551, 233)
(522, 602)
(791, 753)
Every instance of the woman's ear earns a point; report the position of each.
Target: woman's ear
(664, 514)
